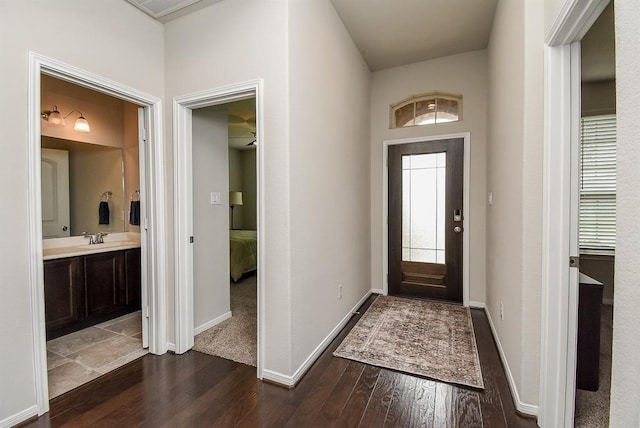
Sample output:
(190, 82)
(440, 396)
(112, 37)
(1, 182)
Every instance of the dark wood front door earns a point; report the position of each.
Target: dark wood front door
(425, 219)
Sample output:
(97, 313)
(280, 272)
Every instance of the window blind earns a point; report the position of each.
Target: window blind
(598, 183)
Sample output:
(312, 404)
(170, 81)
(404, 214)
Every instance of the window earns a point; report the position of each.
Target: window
(426, 109)
(598, 183)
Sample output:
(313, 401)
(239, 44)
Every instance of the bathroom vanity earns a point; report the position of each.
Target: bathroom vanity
(88, 284)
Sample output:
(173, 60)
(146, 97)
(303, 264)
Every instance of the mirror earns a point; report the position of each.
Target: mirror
(79, 182)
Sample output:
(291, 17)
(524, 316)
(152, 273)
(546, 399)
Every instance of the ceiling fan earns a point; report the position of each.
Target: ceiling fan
(255, 139)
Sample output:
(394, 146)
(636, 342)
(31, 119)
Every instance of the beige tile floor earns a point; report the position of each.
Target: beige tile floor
(84, 355)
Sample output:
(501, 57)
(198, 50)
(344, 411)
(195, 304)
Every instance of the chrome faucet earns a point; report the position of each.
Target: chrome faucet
(95, 238)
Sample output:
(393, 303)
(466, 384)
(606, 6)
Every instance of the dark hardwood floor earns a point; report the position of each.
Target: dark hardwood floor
(199, 390)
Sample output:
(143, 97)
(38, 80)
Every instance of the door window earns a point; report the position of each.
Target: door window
(423, 207)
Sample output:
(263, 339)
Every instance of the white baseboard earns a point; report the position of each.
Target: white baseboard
(297, 375)
(377, 291)
(171, 347)
(19, 417)
(529, 409)
(209, 324)
(477, 305)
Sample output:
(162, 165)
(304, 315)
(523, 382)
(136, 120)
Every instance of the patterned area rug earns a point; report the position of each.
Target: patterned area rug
(425, 338)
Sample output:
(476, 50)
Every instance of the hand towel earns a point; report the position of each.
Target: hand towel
(103, 213)
(134, 213)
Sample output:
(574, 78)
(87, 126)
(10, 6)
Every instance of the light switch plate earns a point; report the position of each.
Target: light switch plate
(215, 198)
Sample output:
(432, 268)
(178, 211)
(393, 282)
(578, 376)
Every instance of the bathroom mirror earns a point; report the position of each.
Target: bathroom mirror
(76, 178)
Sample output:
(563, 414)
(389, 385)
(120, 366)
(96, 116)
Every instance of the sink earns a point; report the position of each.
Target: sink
(104, 245)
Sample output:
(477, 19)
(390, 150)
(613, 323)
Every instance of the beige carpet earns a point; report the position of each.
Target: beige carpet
(430, 339)
(592, 407)
(236, 338)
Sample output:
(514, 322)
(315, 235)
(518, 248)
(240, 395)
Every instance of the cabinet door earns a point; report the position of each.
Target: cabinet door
(104, 283)
(132, 277)
(63, 292)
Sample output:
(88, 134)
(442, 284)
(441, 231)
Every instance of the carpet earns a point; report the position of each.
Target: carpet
(236, 338)
(592, 407)
(430, 339)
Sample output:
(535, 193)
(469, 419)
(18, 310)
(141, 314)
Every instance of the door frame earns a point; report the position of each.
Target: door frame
(467, 212)
(183, 205)
(560, 203)
(153, 239)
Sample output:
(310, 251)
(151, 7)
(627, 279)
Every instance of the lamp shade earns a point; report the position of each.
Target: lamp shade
(82, 125)
(235, 198)
(55, 118)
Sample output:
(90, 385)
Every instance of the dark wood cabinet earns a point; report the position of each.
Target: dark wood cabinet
(133, 279)
(86, 290)
(588, 348)
(63, 292)
(104, 283)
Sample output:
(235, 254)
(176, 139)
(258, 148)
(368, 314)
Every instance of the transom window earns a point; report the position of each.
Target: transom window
(426, 109)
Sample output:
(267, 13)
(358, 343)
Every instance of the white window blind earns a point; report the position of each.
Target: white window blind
(598, 183)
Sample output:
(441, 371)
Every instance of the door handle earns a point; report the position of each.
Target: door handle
(457, 229)
(65, 228)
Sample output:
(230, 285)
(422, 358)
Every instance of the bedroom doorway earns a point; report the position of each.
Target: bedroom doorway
(224, 286)
(218, 191)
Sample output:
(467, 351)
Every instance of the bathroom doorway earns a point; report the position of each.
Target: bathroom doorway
(91, 200)
(120, 261)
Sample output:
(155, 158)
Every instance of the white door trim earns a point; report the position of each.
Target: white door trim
(154, 241)
(560, 196)
(183, 206)
(467, 212)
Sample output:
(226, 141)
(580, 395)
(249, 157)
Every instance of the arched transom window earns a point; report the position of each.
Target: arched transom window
(426, 109)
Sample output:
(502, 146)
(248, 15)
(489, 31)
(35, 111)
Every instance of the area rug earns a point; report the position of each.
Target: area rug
(420, 337)
(236, 338)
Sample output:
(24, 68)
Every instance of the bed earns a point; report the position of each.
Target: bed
(243, 248)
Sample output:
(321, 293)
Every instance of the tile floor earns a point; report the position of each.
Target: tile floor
(84, 355)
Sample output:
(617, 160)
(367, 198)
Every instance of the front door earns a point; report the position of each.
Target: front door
(425, 219)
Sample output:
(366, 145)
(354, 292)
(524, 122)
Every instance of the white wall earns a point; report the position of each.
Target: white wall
(111, 39)
(249, 209)
(625, 380)
(329, 134)
(514, 176)
(210, 154)
(464, 74)
(225, 43)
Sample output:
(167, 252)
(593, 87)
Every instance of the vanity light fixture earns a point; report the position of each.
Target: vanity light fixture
(81, 124)
(54, 118)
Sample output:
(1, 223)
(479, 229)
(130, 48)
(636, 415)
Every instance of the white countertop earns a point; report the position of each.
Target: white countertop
(78, 246)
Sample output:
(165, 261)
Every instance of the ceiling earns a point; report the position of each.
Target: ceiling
(242, 123)
(391, 33)
(598, 49)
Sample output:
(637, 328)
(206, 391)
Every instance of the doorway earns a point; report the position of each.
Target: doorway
(425, 219)
(152, 254)
(184, 109)
(561, 212)
(466, 165)
(92, 249)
